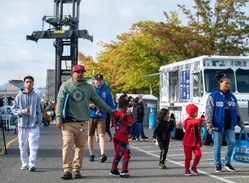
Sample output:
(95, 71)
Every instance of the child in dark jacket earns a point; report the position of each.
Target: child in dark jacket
(162, 134)
(121, 121)
(192, 139)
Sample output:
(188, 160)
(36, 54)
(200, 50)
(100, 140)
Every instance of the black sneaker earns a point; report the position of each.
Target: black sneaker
(218, 168)
(124, 174)
(103, 158)
(114, 173)
(188, 173)
(194, 171)
(91, 158)
(229, 167)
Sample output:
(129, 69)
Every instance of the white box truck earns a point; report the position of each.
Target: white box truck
(192, 80)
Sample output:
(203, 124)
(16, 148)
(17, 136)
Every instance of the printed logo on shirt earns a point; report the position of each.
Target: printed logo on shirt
(77, 95)
(219, 104)
(104, 95)
(233, 104)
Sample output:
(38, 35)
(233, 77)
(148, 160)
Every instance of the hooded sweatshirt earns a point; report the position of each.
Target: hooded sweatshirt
(189, 138)
(21, 102)
(78, 102)
(105, 94)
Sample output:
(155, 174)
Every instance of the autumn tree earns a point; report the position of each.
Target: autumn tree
(221, 29)
(142, 51)
(225, 24)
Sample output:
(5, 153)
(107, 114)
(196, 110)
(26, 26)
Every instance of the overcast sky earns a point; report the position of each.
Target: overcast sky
(104, 19)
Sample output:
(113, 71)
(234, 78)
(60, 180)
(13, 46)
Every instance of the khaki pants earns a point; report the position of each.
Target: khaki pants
(74, 133)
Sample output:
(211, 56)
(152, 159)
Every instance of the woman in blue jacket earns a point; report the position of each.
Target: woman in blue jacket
(222, 110)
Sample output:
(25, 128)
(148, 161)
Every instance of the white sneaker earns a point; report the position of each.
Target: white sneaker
(24, 166)
(32, 166)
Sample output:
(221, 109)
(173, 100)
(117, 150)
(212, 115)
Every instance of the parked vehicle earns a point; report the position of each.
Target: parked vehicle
(192, 80)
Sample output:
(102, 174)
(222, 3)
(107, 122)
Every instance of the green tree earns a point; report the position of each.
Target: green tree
(226, 25)
(222, 30)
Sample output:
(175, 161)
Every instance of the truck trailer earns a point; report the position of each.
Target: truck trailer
(191, 81)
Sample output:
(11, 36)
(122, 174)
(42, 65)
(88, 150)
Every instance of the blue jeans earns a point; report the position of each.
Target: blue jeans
(230, 139)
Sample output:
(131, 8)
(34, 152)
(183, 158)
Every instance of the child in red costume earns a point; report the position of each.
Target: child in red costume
(121, 121)
(192, 139)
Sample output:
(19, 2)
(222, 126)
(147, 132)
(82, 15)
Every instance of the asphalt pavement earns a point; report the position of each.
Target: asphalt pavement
(143, 166)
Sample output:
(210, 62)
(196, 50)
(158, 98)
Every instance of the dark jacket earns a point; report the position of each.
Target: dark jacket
(138, 112)
(162, 130)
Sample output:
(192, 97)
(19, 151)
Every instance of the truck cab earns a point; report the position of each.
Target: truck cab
(191, 81)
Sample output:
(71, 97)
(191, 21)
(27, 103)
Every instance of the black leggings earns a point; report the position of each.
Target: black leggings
(142, 131)
(108, 119)
(163, 145)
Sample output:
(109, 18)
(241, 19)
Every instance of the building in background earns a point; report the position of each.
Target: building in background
(41, 91)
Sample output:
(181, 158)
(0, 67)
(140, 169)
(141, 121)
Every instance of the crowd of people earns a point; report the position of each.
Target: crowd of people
(91, 110)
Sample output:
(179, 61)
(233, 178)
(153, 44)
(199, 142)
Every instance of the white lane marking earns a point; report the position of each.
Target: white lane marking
(182, 165)
(236, 177)
(176, 149)
(184, 154)
(155, 151)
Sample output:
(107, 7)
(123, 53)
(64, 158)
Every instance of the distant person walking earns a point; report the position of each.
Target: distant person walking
(75, 124)
(98, 118)
(138, 115)
(131, 101)
(223, 114)
(27, 106)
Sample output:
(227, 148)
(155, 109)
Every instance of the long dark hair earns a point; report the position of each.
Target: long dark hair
(220, 78)
(162, 113)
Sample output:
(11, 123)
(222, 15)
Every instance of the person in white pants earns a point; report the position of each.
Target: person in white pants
(27, 106)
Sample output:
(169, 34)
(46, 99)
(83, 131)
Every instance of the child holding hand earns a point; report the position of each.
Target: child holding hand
(121, 121)
(192, 139)
(162, 134)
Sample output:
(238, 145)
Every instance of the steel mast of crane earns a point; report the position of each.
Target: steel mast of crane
(65, 31)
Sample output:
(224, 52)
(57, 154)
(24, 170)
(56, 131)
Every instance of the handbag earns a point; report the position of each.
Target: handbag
(241, 149)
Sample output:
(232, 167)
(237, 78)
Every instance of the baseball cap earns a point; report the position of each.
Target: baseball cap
(79, 68)
(99, 76)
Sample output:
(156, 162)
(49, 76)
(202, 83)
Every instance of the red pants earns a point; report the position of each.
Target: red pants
(188, 155)
(122, 150)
